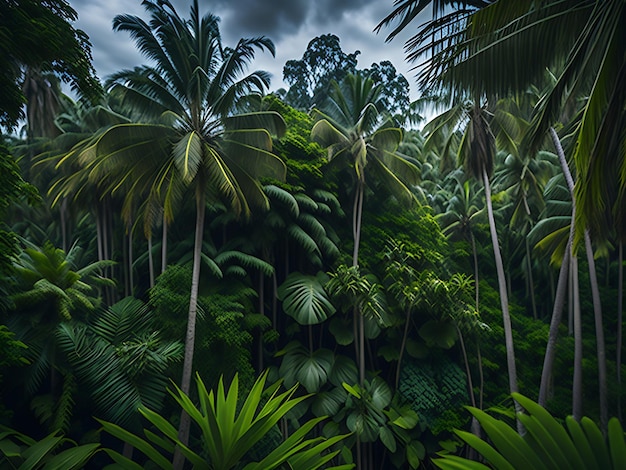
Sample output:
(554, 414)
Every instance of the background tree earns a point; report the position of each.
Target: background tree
(309, 78)
(216, 152)
(40, 34)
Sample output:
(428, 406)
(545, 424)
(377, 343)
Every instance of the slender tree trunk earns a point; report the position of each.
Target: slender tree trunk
(557, 314)
(356, 221)
(570, 305)
(99, 234)
(504, 301)
(597, 306)
(620, 300)
(125, 270)
(481, 376)
(131, 278)
(475, 427)
(185, 420)
(63, 214)
(476, 282)
(577, 386)
(164, 247)
(274, 301)
(150, 261)
(262, 312)
(600, 343)
(405, 335)
(358, 315)
(359, 337)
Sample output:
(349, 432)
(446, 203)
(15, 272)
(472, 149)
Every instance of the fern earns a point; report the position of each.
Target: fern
(303, 239)
(306, 202)
(436, 392)
(284, 197)
(315, 228)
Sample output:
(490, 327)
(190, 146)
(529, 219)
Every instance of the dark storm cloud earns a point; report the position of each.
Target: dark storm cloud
(275, 19)
(291, 24)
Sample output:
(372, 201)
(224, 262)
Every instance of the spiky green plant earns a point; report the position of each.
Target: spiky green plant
(546, 444)
(229, 428)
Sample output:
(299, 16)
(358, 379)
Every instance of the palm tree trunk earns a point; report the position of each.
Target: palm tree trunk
(357, 217)
(597, 306)
(620, 300)
(531, 281)
(359, 336)
(63, 214)
(131, 280)
(150, 261)
(577, 386)
(185, 385)
(504, 301)
(600, 343)
(405, 335)
(557, 314)
(99, 236)
(475, 255)
(164, 246)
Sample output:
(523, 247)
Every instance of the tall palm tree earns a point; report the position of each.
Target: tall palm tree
(501, 48)
(476, 151)
(204, 143)
(352, 126)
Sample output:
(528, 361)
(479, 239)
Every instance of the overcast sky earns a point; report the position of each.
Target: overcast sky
(291, 24)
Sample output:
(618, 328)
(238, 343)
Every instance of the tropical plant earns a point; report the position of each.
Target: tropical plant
(546, 444)
(51, 289)
(49, 276)
(53, 452)
(351, 124)
(230, 426)
(121, 359)
(206, 144)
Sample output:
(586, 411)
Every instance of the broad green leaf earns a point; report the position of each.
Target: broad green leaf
(454, 462)
(442, 334)
(617, 445)
(187, 154)
(137, 442)
(581, 443)
(506, 440)
(387, 438)
(597, 442)
(73, 458)
(305, 299)
(486, 450)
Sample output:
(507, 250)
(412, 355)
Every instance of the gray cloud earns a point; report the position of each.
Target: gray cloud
(291, 24)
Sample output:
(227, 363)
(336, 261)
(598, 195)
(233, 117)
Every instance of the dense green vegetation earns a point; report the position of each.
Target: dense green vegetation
(337, 283)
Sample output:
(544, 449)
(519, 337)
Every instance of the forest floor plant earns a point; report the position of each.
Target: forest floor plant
(229, 429)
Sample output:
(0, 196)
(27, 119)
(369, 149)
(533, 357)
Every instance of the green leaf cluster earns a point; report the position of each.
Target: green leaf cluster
(230, 426)
(546, 443)
(436, 390)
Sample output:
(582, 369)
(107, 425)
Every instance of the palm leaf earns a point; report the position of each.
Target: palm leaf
(187, 154)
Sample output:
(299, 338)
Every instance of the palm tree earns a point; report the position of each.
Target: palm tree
(354, 128)
(205, 143)
(477, 152)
